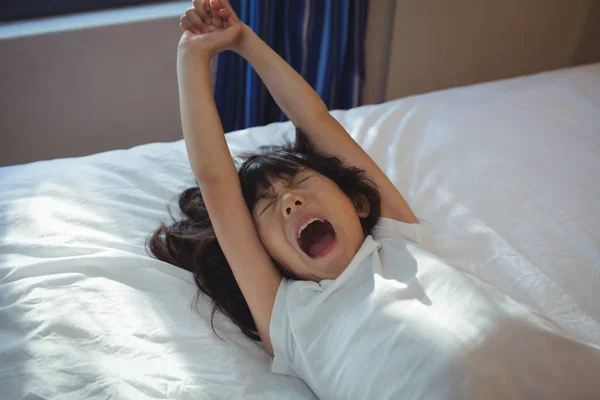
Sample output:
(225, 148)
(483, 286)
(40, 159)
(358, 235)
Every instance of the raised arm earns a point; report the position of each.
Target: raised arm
(217, 177)
(306, 110)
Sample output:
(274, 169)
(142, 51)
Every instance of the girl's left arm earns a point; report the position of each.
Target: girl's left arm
(306, 110)
(218, 180)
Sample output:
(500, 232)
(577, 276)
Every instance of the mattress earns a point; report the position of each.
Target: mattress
(507, 173)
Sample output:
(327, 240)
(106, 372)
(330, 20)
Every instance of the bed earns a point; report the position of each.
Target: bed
(507, 172)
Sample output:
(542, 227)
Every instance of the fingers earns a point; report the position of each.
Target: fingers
(208, 16)
(204, 4)
(223, 13)
(218, 13)
(186, 25)
(222, 3)
(226, 14)
(202, 8)
(221, 8)
(217, 20)
(195, 20)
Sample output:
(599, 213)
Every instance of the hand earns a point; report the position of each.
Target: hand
(210, 27)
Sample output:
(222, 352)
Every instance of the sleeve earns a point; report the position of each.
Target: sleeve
(280, 332)
(390, 228)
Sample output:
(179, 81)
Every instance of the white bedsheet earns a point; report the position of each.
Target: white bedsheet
(507, 172)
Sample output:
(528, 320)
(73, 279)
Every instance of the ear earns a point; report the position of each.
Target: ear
(362, 206)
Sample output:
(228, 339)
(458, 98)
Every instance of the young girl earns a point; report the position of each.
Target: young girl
(330, 259)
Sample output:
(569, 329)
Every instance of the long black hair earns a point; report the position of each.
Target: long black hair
(191, 243)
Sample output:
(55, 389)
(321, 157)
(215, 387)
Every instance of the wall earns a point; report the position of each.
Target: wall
(438, 44)
(380, 25)
(588, 48)
(82, 91)
(112, 84)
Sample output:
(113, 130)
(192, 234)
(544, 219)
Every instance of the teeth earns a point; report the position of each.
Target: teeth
(307, 223)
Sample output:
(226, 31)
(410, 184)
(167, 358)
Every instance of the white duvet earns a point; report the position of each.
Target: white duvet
(507, 172)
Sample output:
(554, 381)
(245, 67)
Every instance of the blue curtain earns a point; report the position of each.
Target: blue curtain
(321, 39)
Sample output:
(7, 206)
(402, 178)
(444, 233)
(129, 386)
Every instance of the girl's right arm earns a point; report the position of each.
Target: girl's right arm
(216, 174)
(306, 110)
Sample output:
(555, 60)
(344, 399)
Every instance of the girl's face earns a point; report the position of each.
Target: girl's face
(309, 226)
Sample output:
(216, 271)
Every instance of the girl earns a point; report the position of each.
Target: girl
(329, 257)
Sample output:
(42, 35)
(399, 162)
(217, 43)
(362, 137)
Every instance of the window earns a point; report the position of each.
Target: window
(12, 10)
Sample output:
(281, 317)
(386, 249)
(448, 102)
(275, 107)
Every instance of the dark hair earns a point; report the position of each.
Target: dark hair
(191, 244)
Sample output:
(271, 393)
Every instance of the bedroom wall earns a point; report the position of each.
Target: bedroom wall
(82, 91)
(111, 84)
(380, 25)
(588, 48)
(438, 44)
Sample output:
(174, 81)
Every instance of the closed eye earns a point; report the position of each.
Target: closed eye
(265, 209)
(304, 179)
(273, 200)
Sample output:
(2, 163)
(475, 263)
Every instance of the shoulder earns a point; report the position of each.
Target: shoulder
(299, 299)
(391, 229)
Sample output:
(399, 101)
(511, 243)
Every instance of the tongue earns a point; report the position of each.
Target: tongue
(320, 244)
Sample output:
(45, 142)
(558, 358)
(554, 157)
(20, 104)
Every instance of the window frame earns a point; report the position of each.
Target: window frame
(16, 10)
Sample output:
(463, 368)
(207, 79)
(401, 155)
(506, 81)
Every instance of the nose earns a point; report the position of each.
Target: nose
(291, 202)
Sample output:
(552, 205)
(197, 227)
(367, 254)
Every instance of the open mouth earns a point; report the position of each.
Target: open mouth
(316, 237)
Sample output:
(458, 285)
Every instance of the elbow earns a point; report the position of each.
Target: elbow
(311, 116)
(319, 111)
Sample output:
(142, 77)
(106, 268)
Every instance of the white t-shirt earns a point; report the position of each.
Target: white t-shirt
(400, 323)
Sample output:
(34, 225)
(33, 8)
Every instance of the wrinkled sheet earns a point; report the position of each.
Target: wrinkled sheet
(507, 173)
